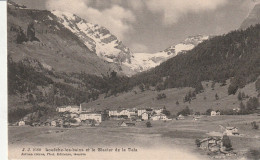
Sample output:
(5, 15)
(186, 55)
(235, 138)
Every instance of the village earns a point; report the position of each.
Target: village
(74, 116)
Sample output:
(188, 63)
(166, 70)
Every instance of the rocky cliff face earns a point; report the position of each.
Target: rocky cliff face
(39, 35)
(253, 18)
(98, 39)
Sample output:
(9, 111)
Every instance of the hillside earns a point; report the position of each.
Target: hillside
(236, 54)
(55, 46)
(201, 103)
(253, 18)
(99, 40)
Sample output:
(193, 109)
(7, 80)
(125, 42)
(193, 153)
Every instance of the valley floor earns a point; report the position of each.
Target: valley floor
(164, 140)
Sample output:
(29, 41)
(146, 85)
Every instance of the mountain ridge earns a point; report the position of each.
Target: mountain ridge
(253, 18)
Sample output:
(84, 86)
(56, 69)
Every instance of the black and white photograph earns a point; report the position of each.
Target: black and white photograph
(133, 79)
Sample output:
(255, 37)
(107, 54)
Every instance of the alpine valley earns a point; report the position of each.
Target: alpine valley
(75, 89)
(57, 58)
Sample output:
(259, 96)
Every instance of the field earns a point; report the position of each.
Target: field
(171, 138)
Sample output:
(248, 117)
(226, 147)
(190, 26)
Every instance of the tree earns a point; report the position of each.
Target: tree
(166, 112)
(232, 89)
(21, 37)
(257, 85)
(239, 96)
(216, 96)
(185, 112)
(252, 104)
(226, 142)
(141, 87)
(177, 103)
(148, 124)
(208, 112)
(113, 74)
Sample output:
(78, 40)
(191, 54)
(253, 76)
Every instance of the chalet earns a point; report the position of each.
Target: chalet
(91, 116)
(126, 124)
(53, 123)
(236, 109)
(71, 109)
(21, 123)
(113, 113)
(196, 118)
(215, 113)
(158, 111)
(231, 131)
(180, 117)
(211, 143)
(159, 116)
(145, 116)
(123, 112)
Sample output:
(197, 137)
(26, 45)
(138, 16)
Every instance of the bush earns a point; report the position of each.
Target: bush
(185, 112)
(232, 89)
(161, 96)
(239, 96)
(197, 142)
(254, 125)
(252, 104)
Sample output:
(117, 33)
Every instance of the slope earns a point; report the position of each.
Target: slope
(56, 47)
(253, 18)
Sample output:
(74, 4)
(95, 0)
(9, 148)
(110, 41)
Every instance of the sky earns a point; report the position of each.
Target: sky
(154, 25)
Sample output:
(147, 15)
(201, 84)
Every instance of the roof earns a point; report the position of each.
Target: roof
(74, 106)
(229, 128)
(90, 113)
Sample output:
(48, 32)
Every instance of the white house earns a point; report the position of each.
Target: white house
(158, 111)
(214, 113)
(71, 109)
(231, 131)
(145, 116)
(113, 113)
(93, 116)
(53, 123)
(21, 123)
(140, 112)
(123, 112)
(180, 117)
(159, 116)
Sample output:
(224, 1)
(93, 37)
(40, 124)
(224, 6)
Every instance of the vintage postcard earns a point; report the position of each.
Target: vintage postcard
(133, 79)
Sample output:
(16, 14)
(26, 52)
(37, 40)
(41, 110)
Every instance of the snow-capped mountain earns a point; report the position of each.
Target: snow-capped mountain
(146, 61)
(100, 41)
(97, 38)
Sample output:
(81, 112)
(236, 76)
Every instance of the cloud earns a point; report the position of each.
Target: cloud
(136, 4)
(117, 19)
(138, 48)
(172, 10)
